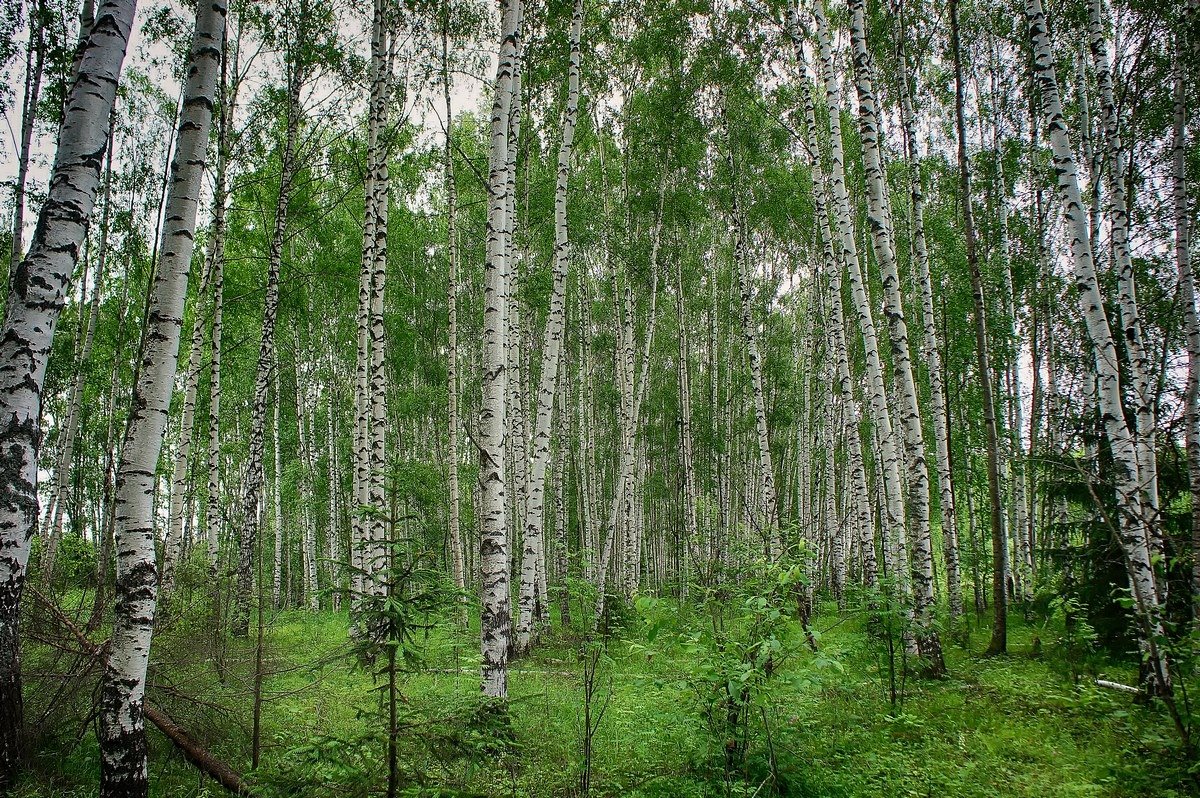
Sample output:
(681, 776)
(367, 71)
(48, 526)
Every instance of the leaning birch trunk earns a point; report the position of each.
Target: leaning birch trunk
(532, 541)
(1132, 336)
(999, 640)
(248, 539)
(879, 220)
(122, 734)
(495, 622)
(1132, 532)
(36, 294)
(844, 386)
(933, 347)
(894, 548)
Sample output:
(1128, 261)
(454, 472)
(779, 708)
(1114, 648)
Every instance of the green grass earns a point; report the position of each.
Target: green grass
(1007, 726)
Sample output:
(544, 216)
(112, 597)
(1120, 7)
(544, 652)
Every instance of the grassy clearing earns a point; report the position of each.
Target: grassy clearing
(1010, 726)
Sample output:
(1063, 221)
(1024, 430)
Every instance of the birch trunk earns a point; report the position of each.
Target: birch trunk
(892, 519)
(1132, 336)
(844, 389)
(455, 531)
(35, 61)
(1132, 532)
(62, 472)
(933, 346)
(36, 294)
(122, 736)
(183, 447)
(1187, 284)
(768, 520)
(495, 622)
(267, 362)
(533, 548)
(999, 640)
(879, 220)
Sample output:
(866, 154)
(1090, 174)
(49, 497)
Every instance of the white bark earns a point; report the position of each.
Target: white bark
(36, 294)
(123, 768)
(1134, 541)
(495, 622)
(533, 547)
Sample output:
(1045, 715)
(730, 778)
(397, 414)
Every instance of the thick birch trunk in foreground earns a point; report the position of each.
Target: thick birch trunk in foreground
(495, 623)
(1132, 531)
(533, 547)
(880, 222)
(36, 295)
(122, 735)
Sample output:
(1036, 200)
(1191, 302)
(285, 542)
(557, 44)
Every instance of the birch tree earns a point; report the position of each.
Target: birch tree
(36, 294)
(533, 552)
(1131, 521)
(123, 770)
(495, 622)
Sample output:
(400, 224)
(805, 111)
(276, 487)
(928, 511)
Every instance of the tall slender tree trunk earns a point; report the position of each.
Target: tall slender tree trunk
(1132, 336)
(879, 220)
(35, 61)
(455, 531)
(933, 345)
(122, 736)
(267, 360)
(893, 518)
(1187, 283)
(533, 546)
(768, 519)
(999, 639)
(37, 292)
(844, 385)
(495, 625)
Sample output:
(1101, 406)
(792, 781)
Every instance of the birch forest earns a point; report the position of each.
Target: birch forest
(588, 398)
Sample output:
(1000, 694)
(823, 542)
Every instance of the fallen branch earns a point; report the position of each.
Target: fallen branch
(1124, 688)
(192, 750)
(195, 753)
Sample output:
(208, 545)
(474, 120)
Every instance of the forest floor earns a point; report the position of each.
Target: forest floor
(1014, 725)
